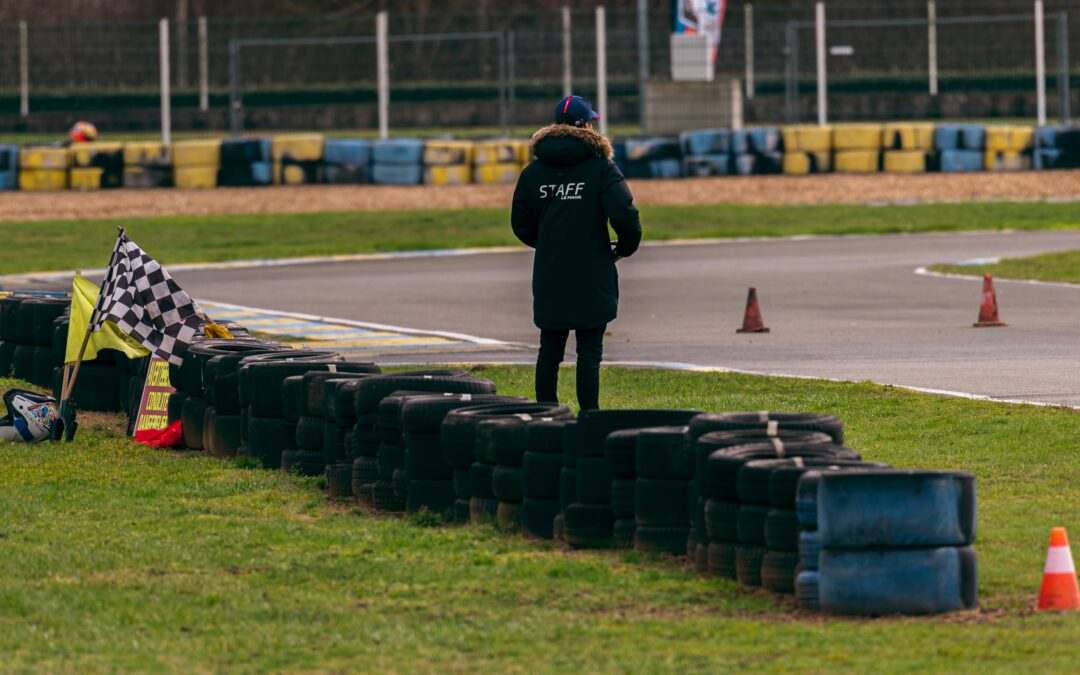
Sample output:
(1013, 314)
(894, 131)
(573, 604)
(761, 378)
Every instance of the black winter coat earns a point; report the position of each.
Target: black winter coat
(562, 206)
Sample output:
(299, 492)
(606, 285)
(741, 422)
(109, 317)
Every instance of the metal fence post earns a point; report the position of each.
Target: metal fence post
(1040, 64)
(182, 44)
(822, 86)
(166, 97)
(236, 101)
(24, 69)
(643, 54)
(567, 56)
(204, 66)
(748, 38)
(382, 56)
(601, 68)
(931, 42)
(1064, 92)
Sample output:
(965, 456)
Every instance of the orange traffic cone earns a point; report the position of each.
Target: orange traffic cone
(1059, 588)
(752, 322)
(988, 310)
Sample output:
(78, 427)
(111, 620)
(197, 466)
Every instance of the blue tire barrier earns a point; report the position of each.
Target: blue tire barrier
(764, 140)
(706, 142)
(399, 151)
(947, 137)
(1044, 158)
(954, 161)
(397, 174)
(246, 175)
(744, 165)
(740, 142)
(345, 174)
(707, 165)
(889, 508)
(237, 151)
(347, 160)
(806, 491)
(9, 167)
(898, 581)
(972, 136)
(809, 549)
(640, 149)
(1046, 137)
(806, 590)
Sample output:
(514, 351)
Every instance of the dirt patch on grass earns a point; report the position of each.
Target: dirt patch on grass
(751, 190)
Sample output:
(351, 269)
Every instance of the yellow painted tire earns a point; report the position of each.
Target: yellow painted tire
(192, 154)
(43, 179)
(856, 137)
(297, 147)
(195, 177)
(494, 174)
(44, 158)
(447, 175)
(905, 161)
(856, 161)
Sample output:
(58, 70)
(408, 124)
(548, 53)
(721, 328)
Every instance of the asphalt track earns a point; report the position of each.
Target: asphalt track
(849, 308)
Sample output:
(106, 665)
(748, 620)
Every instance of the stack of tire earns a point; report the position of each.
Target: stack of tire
(331, 396)
(96, 165)
(620, 449)
(757, 151)
(909, 147)
(504, 445)
(43, 168)
(649, 157)
(26, 329)
(590, 520)
(571, 442)
(1009, 148)
(110, 382)
(196, 164)
(1055, 148)
(297, 158)
(541, 467)
(706, 152)
(398, 161)
(807, 149)
(661, 492)
(959, 147)
(890, 541)
(347, 161)
(470, 451)
(147, 165)
(448, 162)
(713, 517)
(245, 162)
(9, 167)
(857, 148)
(499, 161)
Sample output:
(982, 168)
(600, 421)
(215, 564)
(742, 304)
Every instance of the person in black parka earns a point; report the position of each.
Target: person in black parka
(562, 205)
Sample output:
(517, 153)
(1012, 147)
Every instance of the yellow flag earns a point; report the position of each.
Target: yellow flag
(84, 296)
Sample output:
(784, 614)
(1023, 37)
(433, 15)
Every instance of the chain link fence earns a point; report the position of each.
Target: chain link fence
(500, 73)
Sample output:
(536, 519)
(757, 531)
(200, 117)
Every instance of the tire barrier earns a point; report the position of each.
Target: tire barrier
(9, 167)
(649, 157)
(147, 165)
(245, 162)
(196, 164)
(43, 168)
(96, 166)
(346, 161)
(398, 161)
(297, 158)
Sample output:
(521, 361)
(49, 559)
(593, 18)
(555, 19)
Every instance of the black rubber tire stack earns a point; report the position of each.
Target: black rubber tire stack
(422, 464)
(571, 441)
(619, 452)
(223, 424)
(661, 496)
(505, 448)
(541, 467)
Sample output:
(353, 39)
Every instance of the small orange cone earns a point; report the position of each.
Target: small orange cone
(1059, 588)
(752, 322)
(988, 310)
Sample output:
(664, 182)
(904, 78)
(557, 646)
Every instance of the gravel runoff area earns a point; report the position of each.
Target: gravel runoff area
(754, 190)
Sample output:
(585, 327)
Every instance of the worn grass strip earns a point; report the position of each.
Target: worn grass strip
(123, 558)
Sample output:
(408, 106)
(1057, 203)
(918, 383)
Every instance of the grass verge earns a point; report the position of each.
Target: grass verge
(119, 557)
(86, 244)
(1059, 266)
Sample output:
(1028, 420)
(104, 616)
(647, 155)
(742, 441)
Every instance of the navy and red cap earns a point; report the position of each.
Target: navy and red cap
(575, 111)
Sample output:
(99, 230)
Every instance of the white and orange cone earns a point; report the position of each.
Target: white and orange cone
(1059, 587)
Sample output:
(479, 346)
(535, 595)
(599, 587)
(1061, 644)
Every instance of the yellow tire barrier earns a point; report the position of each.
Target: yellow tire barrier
(856, 137)
(448, 175)
(905, 161)
(908, 136)
(83, 155)
(195, 177)
(147, 155)
(802, 163)
(493, 174)
(43, 179)
(448, 153)
(201, 154)
(500, 152)
(86, 178)
(297, 147)
(1007, 160)
(44, 158)
(1009, 139)
(857, 161)
(807, 138)
(295, 174)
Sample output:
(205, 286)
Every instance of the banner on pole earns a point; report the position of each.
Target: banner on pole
(701, 17)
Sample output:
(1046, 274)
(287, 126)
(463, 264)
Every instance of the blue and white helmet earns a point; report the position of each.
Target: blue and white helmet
(30, 416)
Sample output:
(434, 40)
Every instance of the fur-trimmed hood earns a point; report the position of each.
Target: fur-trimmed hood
(566, 145)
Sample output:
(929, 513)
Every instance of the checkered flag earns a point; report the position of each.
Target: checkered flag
(141, 298)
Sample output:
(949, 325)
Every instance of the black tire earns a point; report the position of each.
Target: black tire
(425, 414)
(45, 314)
(669, 540)
(558, 527)
(483, 510)
(660, 503)
(508, 516)
(722, 521)
(401, 483)
(188, 376)
(262, 375)
(760, 421)
(461, 511)
(425, 460)
(384, 498)
(594, 426)
(9, 318)
(292, 398)
(589, 526)
(365, 470)
(698, 447)
(620, 453)
(748, 560)
(338, 481)
(491, 434)
(660, 453)
(782, 530)
(41, 373)
(622, 497)
(374, 389)
(567, 487)
(176, 405)
(24, 322)
(462, 483)
(97, 388)
(623, 531)
(784, 478)
(7, 358)
(309, 434)
(434, 496)
(722, 469)
(540, 474)
(365, 494)
(538, 517)
(23, 363)
(570, 444)
(778, 571)
(390, 457)
(388, 418)
(333, 444)
(288, 461)
(459, 426)
(751, 524)
(59, 340)
(267, 438)
(506, 483)
(208, 429)
(318, 390)
(807, 594)
(809, 549)
(593, 481)
(480, 480)
(721, 559)
(224, 435)
(545, 437)
(303, 462)
(191, 417)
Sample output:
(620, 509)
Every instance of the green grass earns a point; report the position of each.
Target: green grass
(1060, 266)
(124, 558)
(86, 244)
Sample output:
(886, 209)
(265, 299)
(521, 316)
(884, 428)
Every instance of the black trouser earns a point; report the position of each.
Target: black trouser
(590, 349)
